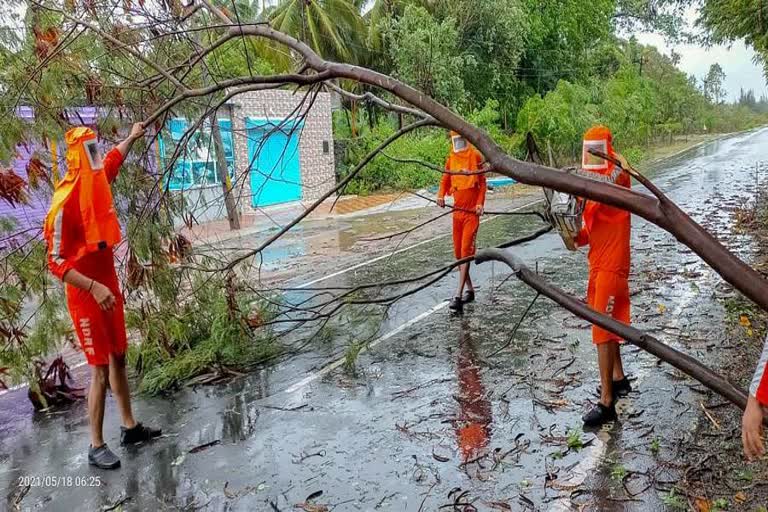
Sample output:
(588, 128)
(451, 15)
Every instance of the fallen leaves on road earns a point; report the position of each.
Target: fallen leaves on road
(702, 505)
(309, 507)
(205, 446)
(306, 506)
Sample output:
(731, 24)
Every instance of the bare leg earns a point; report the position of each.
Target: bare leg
(463, 275)
(606, 356)
(96, 396)
(618, 367)
(118, 381)
(470, 286)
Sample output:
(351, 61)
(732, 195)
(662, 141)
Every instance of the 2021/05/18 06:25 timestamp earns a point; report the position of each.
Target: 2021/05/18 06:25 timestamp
(59, 481)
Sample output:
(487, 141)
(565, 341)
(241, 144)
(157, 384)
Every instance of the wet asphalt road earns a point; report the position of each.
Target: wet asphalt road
(429, 417)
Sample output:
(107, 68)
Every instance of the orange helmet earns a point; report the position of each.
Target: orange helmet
(598, 138)
(86, 183)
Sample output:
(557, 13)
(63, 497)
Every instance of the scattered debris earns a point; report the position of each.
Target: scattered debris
(117, 504)
(204, 446)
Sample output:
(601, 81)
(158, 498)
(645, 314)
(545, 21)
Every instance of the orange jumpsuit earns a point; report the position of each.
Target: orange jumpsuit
(468, 193)
(607, 232)
(81, 229)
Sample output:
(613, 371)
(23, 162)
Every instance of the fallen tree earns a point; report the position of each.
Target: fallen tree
(175, 86)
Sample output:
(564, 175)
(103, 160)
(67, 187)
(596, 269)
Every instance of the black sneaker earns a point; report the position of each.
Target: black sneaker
(456, 305)
(469, 296)
(599, 415)
(138, 434)
(620, 387)
(102, 457)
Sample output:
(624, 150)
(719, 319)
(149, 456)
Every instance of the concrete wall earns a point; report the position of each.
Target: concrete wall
(315, 143)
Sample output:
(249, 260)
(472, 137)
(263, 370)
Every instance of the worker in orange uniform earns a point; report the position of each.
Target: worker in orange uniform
(757, 410)
(464, 179)
(81, 229)
(607, 232)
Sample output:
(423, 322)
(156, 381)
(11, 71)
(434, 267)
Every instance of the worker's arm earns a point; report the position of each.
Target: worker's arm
(137, 132)
(102, 294)
(752, 421)
(483, 184)
(114, 159)
(582, 239)
(61, 263)
(445, 186)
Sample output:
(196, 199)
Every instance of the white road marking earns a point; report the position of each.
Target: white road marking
(336, 364)
(384, 256)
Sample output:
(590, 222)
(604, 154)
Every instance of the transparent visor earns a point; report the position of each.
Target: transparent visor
(94, 155)
(459, 143)
(590, 161)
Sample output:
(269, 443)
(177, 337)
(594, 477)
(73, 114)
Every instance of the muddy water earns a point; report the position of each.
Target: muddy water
(430, 417)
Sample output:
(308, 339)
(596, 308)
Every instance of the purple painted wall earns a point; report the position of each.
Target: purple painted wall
(31, 215)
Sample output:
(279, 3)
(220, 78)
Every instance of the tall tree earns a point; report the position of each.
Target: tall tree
(713, 83)
(732, 20)
(426, 54)
(333, 28)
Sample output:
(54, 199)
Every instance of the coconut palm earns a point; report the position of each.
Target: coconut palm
(333, 28)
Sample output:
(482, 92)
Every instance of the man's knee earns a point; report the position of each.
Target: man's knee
(117, 360)
(100, 376)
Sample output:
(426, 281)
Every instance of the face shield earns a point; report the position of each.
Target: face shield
(93, 154)
(459, 143)
(593, 162)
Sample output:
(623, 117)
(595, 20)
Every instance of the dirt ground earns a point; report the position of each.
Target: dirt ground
(712, 458)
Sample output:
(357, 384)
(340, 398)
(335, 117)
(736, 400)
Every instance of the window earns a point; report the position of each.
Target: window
(195, 166)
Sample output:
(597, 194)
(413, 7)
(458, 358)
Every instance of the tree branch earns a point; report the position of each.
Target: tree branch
(679, 360)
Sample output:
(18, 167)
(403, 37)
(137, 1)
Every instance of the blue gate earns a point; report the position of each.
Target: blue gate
(273, 154)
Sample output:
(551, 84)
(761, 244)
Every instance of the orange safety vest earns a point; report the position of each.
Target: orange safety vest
(467, 160)
(87, 184)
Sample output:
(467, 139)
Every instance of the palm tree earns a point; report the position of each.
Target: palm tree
(333, 28)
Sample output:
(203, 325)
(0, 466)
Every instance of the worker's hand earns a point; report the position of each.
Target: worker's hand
(752, 430)
(479, 209)
(103, 296)
(440, 202)
(137, 131)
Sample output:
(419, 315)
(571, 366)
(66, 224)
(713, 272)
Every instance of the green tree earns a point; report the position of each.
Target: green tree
(713, 83)
(493, 34)
(563, 39)
(426, 54)
(662, 16)
(732, 20)
(333, 28)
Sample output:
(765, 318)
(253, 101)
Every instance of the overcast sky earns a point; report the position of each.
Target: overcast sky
(736, 61)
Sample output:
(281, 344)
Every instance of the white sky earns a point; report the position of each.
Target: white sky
(736, 61)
